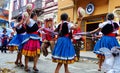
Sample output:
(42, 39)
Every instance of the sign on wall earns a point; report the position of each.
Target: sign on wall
(90, 8)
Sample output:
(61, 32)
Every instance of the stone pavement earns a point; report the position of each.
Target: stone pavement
(88, 55)
(45, 64)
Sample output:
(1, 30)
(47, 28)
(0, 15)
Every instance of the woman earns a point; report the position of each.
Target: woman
(31, 45)
(18, 38)
(63, 52)
(109, 29)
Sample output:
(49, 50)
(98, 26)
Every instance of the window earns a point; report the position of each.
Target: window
(22, 3)
(48, 1)
(16, 5)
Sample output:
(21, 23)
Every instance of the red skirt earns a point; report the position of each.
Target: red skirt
(31, 48)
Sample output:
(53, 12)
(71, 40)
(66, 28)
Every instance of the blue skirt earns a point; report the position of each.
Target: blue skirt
(105, 42)
(17, 40)
(64, 51)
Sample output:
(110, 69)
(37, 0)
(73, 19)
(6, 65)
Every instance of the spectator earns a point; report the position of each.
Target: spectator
(4, 41)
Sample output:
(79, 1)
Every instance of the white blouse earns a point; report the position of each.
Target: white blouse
(101, 25)
(69, 25)
(32, 22)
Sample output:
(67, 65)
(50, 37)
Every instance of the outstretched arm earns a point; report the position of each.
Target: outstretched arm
(20, 23)
(94, 31)
(73, 27)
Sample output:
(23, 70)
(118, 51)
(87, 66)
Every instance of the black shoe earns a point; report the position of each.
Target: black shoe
(21, 65)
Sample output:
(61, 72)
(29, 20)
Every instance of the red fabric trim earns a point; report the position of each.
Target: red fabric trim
(67, 35)
(34, 33)
(111, 34)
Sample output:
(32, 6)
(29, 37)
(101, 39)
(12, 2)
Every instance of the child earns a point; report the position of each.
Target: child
(63, 52)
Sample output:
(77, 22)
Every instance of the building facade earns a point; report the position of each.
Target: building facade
(4, 13)
(66, 6)
(95, 13)
(19, 6)
(50, 8)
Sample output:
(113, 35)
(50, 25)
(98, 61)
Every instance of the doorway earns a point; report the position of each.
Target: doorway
(90, 42)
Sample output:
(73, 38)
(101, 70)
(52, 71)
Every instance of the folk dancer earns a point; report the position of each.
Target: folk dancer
(64, 52)
(18, 39)
(108, 40)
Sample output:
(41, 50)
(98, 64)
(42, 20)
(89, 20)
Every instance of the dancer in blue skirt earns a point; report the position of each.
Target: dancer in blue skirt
(109, 29)
(18, 38)
(63, 52)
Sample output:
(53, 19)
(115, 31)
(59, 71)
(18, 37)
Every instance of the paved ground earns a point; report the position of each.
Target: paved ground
(45, 65)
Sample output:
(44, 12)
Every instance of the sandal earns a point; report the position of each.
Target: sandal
(35, 69)
(99, 69)
(26, 69)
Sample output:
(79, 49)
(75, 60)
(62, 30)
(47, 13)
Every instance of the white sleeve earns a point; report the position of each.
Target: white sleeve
(100, 33)
(70, 25)
(118, 24)
(19, 27)
(101, 25)
(56, 26)
(32, 22)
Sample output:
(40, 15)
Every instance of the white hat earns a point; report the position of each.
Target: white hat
(81, 12)
(29, 6)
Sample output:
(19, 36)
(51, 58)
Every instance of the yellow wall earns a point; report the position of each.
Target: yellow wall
(63, 3)
(113, 4)
(65, 6)
(101, 6)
